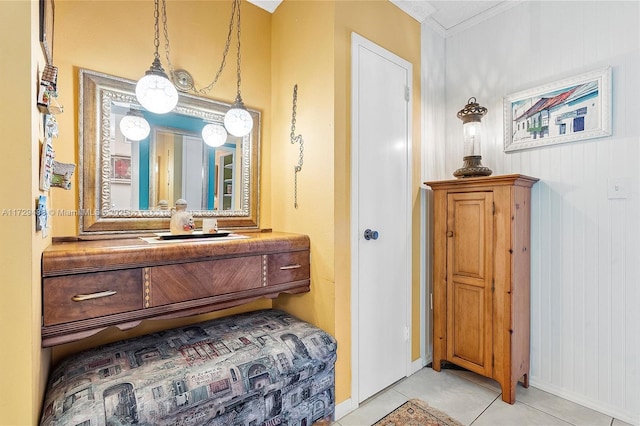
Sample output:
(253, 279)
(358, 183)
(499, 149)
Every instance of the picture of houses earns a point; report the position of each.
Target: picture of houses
(559, 113)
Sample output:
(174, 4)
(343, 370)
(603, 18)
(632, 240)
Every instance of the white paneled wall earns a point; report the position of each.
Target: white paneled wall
(585, 249)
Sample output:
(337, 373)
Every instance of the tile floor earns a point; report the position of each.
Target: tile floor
(475, 400)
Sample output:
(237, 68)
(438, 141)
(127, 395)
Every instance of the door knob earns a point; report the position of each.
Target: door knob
(370, 235)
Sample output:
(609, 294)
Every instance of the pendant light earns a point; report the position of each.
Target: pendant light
(214, 135)
(237, 120)
(155, 91)
(133, 126)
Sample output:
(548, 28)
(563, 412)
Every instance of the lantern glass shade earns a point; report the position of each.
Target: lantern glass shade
(214, 135)
(134, 126)
(472, 133)
(156, 93)
(471, 116)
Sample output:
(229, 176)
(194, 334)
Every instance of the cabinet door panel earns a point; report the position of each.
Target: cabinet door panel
(469, 279)
(467, 223)
(469, 322)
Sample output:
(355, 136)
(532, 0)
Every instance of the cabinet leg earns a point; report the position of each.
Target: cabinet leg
(509, 392)
(435, 364)
(439, 353)
(509, 389)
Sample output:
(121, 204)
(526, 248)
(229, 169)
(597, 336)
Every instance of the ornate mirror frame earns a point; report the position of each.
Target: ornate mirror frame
(97, 92)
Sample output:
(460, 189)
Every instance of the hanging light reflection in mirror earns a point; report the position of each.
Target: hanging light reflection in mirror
(214, 135)
(134, 127)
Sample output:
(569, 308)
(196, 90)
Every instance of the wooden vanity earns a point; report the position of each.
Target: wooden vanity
(88, 286)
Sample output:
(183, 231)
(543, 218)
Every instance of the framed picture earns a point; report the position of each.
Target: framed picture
(568, 110)
(120, 169)
(47, 13)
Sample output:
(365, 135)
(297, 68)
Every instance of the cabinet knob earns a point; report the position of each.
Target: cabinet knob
(449, 233)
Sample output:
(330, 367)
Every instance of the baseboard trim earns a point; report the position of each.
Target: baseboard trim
(609, 410)
(416, 366)
(343, 409)
(347, 406)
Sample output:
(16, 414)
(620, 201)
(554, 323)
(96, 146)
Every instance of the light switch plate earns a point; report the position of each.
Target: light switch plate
(617, 188)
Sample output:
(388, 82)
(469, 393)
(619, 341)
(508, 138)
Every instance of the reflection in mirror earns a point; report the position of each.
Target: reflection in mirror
(173, 162)
(130, 186)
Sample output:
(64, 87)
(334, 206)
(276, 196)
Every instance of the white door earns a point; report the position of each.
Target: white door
(381, 182)
(192, 173)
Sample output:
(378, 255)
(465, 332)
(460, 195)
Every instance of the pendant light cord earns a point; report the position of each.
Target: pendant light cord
(239, 56)
(156, 37)
(235, 10)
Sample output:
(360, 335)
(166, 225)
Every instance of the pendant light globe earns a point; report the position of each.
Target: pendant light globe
(237, 120)
(155, 92)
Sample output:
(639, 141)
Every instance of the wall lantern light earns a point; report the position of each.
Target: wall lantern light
(471, 116)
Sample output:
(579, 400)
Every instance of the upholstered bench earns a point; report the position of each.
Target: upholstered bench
(260, 368)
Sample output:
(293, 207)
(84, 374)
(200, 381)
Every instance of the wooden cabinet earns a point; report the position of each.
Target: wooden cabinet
(90, 285)
(481, 268)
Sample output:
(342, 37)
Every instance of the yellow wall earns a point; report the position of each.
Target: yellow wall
(303, 42)
(23, 364)
(303, 49)
(311, 48)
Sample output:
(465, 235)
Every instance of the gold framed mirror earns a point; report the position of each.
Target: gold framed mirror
(130, 186)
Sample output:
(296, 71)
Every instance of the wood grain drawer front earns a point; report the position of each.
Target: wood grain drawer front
(288, 267)
(188, 281)
(82, 296)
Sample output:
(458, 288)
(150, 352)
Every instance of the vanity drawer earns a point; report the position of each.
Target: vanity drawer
(189, 281)
(288, 267)
(91, 295)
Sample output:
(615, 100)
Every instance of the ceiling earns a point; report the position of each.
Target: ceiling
(444, 16)
(451, 15)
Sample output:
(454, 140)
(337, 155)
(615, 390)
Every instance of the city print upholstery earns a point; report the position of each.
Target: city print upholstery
(260, 368)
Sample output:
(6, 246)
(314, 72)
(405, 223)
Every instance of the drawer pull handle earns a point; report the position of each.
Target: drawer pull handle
(286, 268)
(82, 297)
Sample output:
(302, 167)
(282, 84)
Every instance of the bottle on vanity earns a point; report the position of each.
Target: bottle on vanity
(181, 220)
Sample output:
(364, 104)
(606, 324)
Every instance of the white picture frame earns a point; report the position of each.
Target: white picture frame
(568, 110)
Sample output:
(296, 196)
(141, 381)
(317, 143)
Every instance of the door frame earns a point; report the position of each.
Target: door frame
(358, 41)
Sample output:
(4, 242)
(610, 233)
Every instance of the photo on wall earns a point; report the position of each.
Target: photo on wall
(120, 169)
(568, 110)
